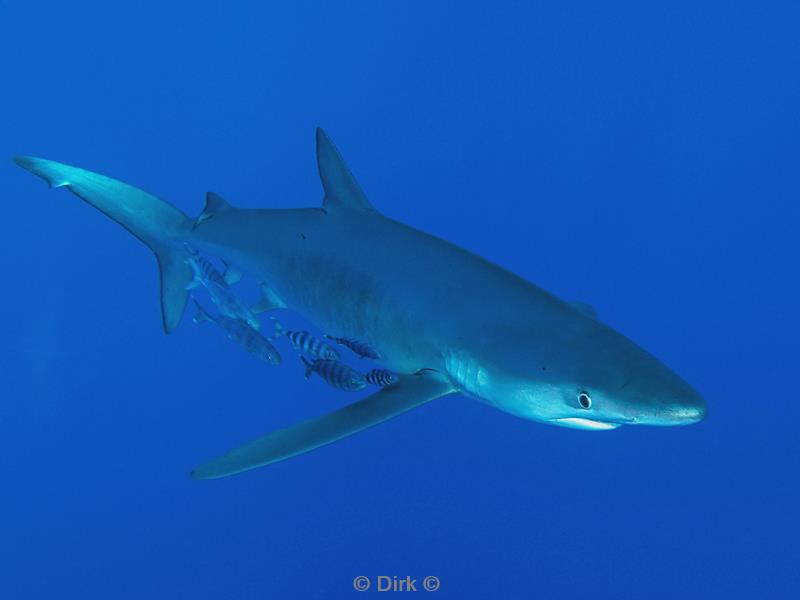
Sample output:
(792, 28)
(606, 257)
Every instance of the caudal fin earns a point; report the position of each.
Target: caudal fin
(155, 222)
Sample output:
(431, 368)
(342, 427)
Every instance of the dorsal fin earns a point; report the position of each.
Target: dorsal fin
(215, 204)
(341, 188)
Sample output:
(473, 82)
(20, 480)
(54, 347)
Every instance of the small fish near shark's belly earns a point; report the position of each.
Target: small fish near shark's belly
(349, 311)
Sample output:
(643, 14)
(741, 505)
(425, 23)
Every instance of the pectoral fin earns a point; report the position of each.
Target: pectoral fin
(409, 392)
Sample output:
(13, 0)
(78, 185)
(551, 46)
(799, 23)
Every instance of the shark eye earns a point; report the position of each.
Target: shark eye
(585, 400)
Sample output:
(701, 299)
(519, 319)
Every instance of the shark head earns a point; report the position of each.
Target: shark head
(638, 390)
(593, 378)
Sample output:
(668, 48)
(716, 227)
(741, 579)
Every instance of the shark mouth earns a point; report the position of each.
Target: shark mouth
(580, 423)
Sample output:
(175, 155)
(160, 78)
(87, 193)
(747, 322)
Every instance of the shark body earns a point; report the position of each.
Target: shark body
(443, 319)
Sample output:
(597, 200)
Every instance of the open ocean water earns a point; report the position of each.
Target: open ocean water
(639, 156)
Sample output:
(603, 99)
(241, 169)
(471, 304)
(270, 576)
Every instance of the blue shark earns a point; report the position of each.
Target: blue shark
(445, 320)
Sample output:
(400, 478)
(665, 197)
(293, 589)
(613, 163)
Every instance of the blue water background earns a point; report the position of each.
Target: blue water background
(641, 157)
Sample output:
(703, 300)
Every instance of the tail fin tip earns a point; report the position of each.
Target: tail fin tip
(51, 171)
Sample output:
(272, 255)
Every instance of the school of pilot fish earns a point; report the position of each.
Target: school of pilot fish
(240, 323)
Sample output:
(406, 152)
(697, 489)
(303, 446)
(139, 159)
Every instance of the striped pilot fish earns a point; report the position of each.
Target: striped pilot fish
(336, 373)
(228, 303)
(357, 346)
(241, 332)
(203, 270)
(303, 341)
(381, 377)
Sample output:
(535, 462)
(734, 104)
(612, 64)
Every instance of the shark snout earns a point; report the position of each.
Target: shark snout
(689, 408)
(688, 412)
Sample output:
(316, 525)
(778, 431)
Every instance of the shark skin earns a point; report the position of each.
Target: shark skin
(444, 319)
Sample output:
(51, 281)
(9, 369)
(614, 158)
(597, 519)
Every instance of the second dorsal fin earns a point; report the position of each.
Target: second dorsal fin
(341, 188)
(215, 204)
